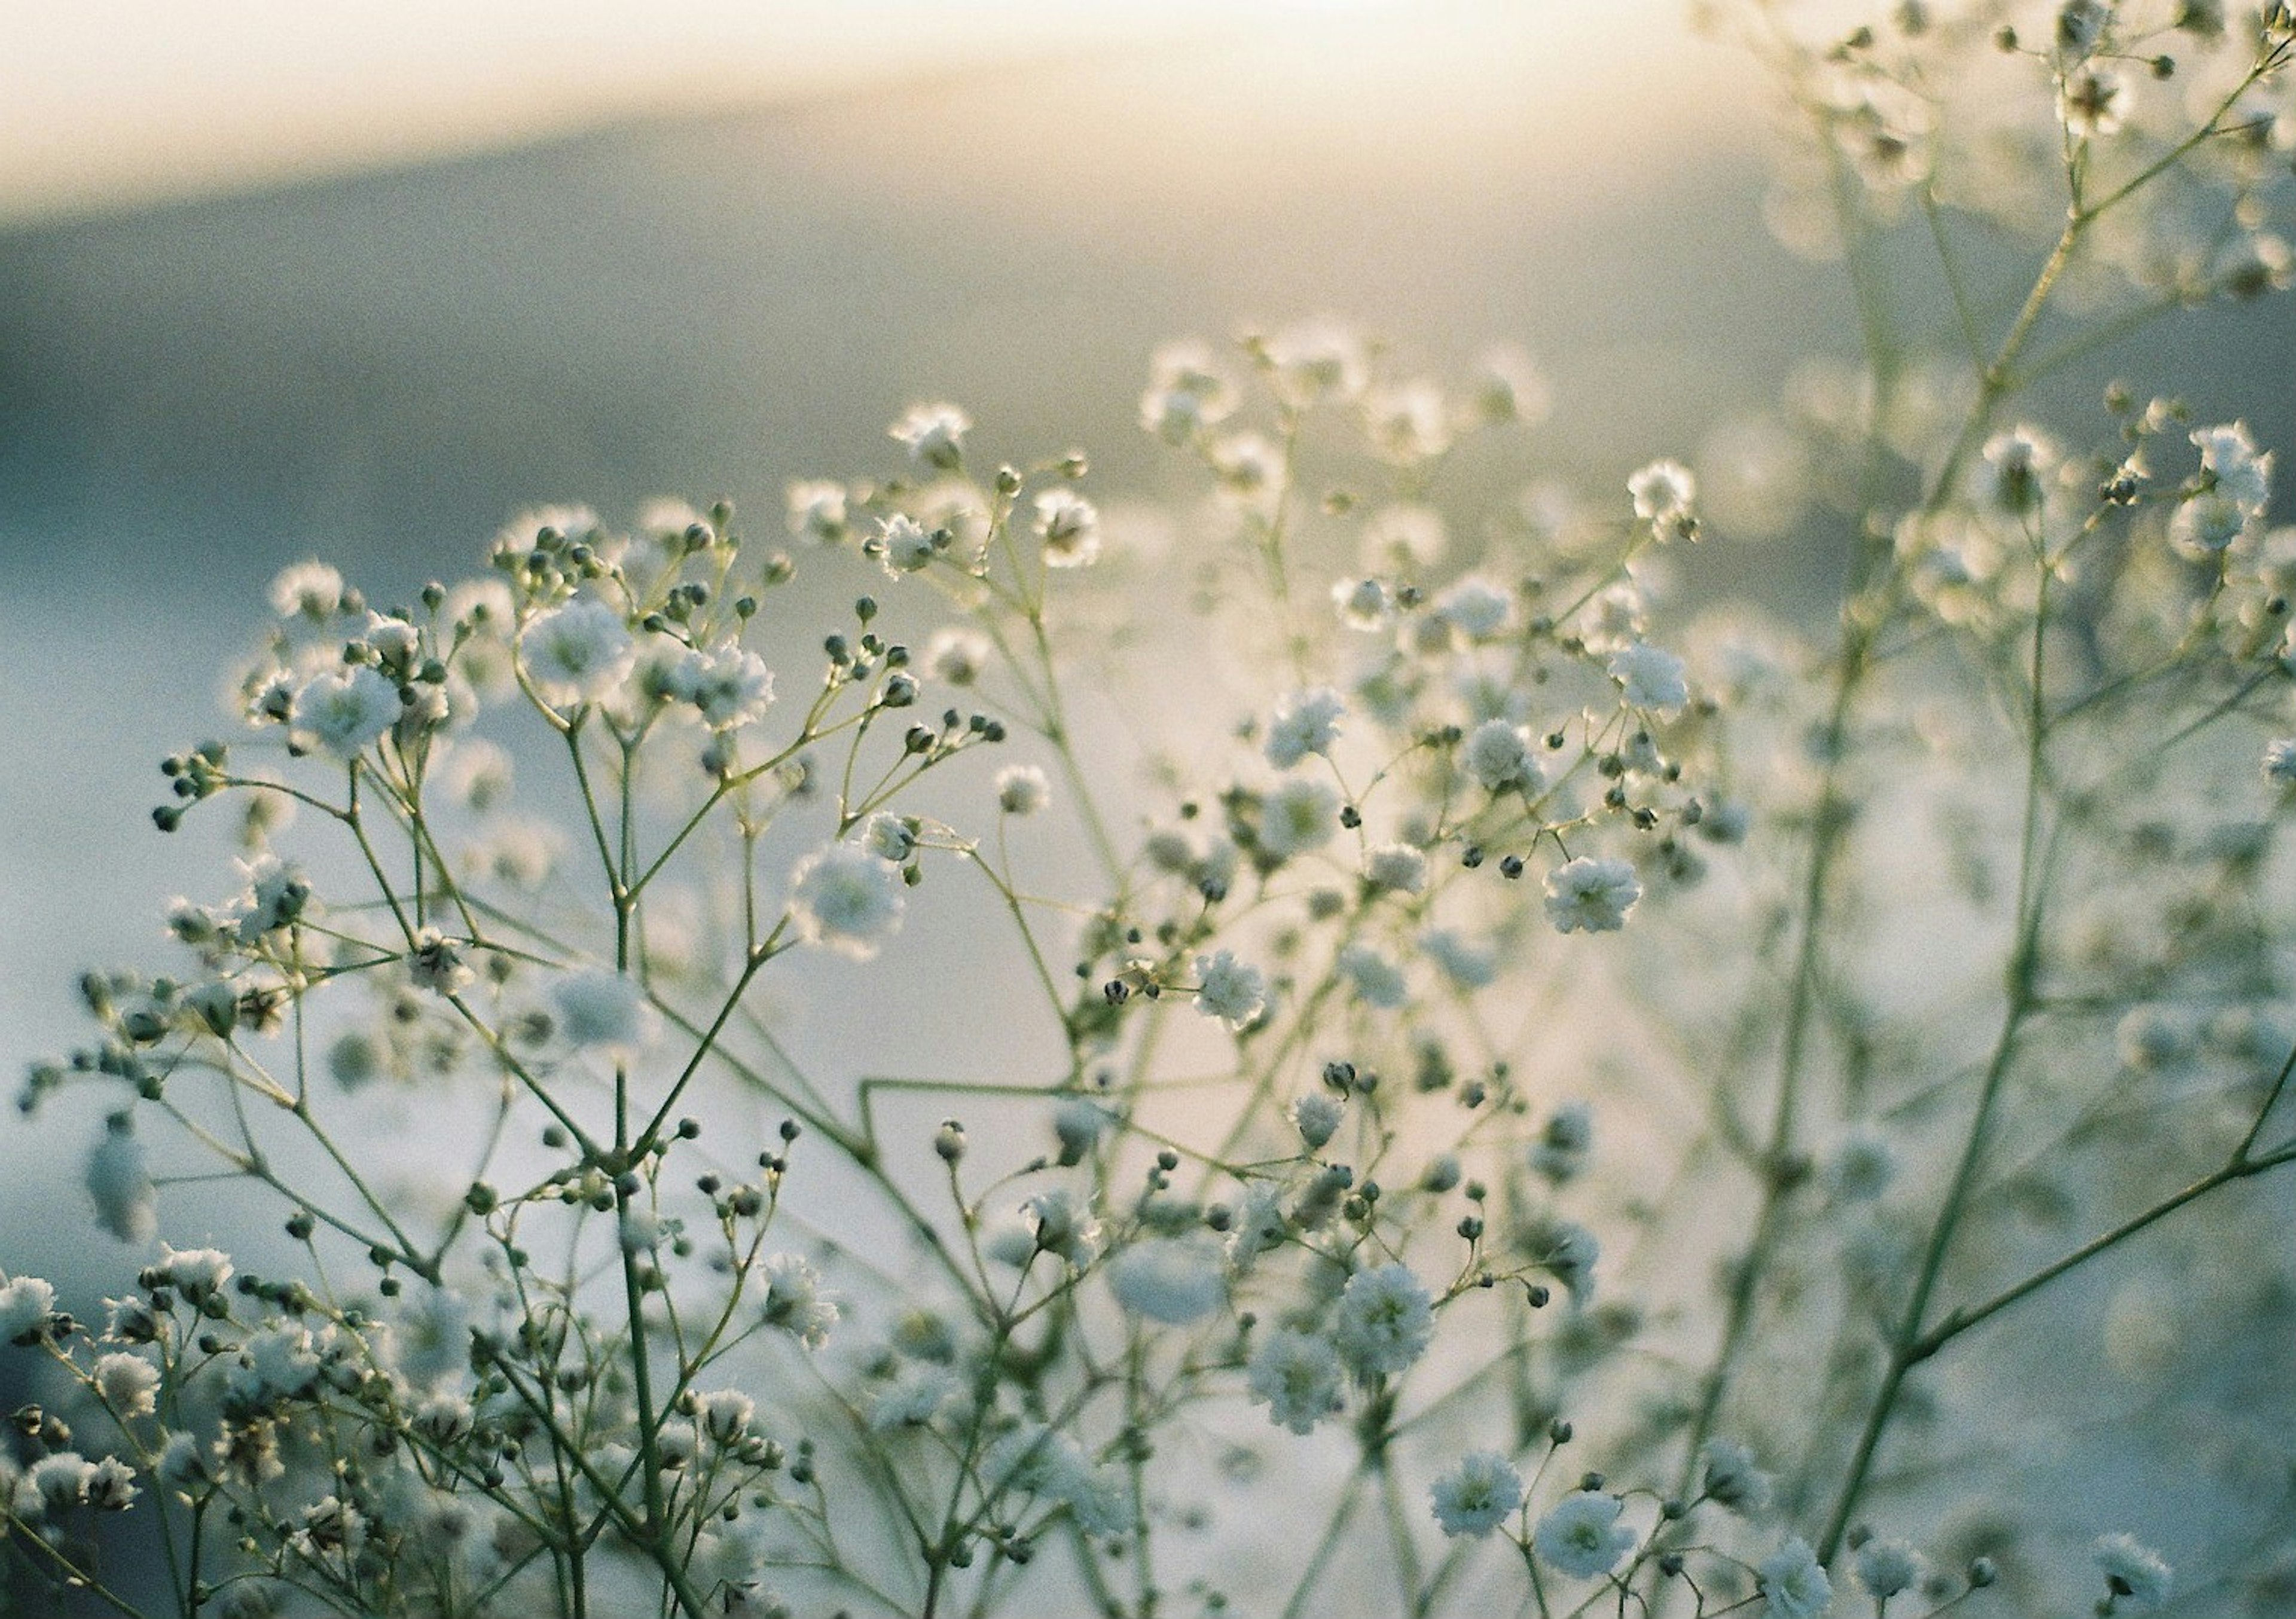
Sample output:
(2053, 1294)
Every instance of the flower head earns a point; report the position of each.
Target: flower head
(603, 1010)
(1173, 1279)
(934, 435)
(1384, 1322)
(1649, 677)
(1070, 527)
(1228, 989)
(1793, 1583)
(2134, 1573)
(1296, 1376)
(847, 899)
(345, 709)
(1475, 1497)
(1306, 722)
(795, 1302)
(1580, 1537)
(1597, 895)
(578, 653)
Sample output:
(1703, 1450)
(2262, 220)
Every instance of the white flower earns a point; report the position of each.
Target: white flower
(1396, 868)
(1316, 360)
(903, 545)
(2134, 1572)
(1793, 1585)
(846, 899)
(345, 709)
(603, 1010)
(1384, 1322)
(1886, 1567)
(1467, 964)
(1362, 604)
(196, 1273)
(1296, 1376)
(1404, 536)
(307, 590)
(890, 837)
(731, 686)
(2081, 25)
(934, 435)
(1663, 492)
(1476, 1497)
(2207, 523)
(1509, 388)
(957, 655)
(1297, 815)
(1595, 894)
(913, 1398)
(111, 1486)
(1562, 1149)
(1070, 527)
(1407, 421)
(795, 1302)
(1649, 677)
(275, 1364)
(1176, 1281)
(1035, 1459)
(2280, 762)
(2013, 464)
(1186, 391)
(435, 963)
(127, 1383)
(1229, 990)
(1378, 981)
(120, 1183)
(1316, 1117)
(1732, 1479)
(1062, 1228)
(817, 511)
(26, 1304)
(578, 653)
(55, 1484)
(1021, 790)
(1306, 722)
(1475, 607)
(1580, 1537)
(2093, 101)
(1498, 755)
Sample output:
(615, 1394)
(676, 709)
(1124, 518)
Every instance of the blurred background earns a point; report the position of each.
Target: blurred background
(279, 280)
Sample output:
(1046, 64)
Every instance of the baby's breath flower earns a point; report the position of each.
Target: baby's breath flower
(2012, 469)
(1404, 536)
(343, 710)
(1070, 527)
(903, 545)
(1580, 1537)
(436, 962)
(1378, 981)
(1316, 1116)
(1306, 722)
(1508, 388)
(934, 435)
(121, 1183)
(307, 590)
(1021, 790)
(1061, 1227)
(1296, 1376)
(1887, 1567)
(1187, 392)
(1477, 1496)
(795, 1302)
(127, 1384)
(55, 1484)
(1297, 815)
(1396, 868)
(1363, 604)
(1474, 608)
(1466, 963)
(2134, 1573)
(1731, 1478)
(1649, 677)
(1663, 493)
(817, 511)
(1407, 421)
(1793, 1583)
(1384, 1322)
(27, 1304)
(196, 1273)
(1498, 755)
(579, 653)
(2207, 523)
(731, 686)
(603, 1010)
(1315, 361)
(1597, 895)
(2093, 101)
(847, 899)
(1173, 1279)
(2280, 762)
(957, 655)
(1228, 989)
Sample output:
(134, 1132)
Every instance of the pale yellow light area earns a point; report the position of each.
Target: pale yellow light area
(108, 104)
